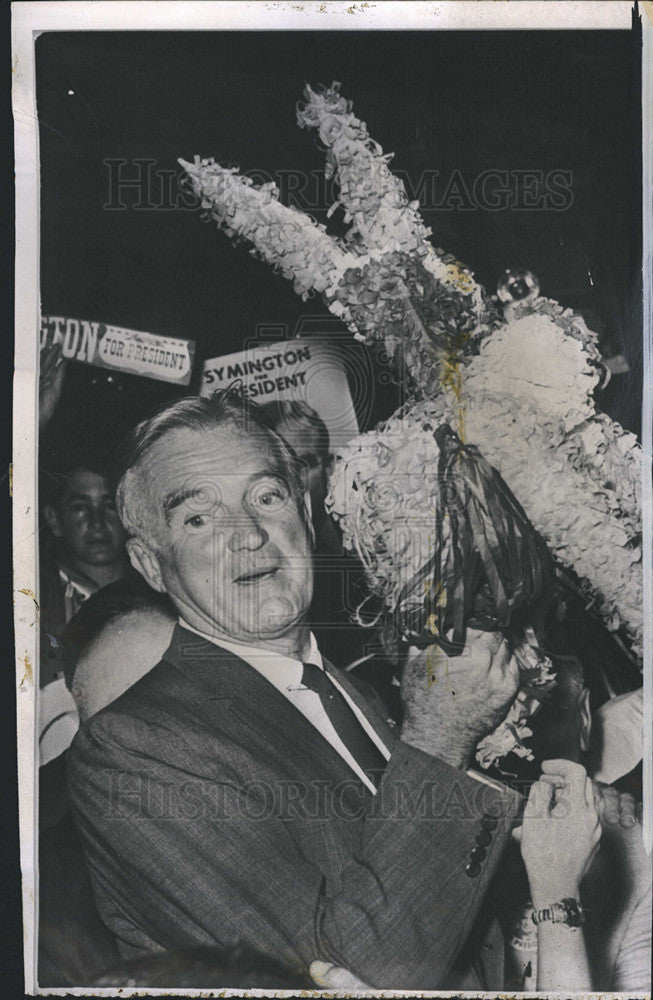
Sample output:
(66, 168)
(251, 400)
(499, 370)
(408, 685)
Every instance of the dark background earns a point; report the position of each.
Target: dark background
(441, 101)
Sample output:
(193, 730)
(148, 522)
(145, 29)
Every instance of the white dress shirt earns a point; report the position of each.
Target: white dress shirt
(285, 674)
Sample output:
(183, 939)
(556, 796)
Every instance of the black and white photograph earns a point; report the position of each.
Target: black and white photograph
(332, 496)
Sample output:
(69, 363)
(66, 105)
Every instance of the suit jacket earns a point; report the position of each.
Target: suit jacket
(213, 813)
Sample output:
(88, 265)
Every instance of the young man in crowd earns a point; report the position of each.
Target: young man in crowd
(82, 550)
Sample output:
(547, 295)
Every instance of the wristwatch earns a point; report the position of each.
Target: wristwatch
(567, 911)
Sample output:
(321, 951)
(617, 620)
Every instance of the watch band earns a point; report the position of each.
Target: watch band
(567, 911)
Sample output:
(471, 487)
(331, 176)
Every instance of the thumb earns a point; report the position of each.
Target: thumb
(334, 977)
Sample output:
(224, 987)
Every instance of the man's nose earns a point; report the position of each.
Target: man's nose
(96, 520)
(248, 534)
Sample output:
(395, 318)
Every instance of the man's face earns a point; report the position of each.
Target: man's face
(232, 545)
(307, 444)
(86, 521)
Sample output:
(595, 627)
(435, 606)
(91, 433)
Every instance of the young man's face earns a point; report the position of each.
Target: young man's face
(86, 521)
(233, 548)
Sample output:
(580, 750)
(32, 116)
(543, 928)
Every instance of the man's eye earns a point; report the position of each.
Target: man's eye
(78, 508)
(196, 520)
(270, 497)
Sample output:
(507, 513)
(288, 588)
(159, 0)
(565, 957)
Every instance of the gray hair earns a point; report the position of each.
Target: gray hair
(230, 406)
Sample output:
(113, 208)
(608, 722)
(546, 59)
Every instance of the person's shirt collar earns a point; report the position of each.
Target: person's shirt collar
(281, 671)
(74, 580)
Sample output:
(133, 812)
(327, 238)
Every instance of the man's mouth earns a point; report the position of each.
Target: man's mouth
(249, 579)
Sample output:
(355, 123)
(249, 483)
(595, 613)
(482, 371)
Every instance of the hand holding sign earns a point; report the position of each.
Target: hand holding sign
(51, 378)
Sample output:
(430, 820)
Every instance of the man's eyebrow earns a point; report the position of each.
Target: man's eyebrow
(86, 497)
(274, 472)
(177, 497)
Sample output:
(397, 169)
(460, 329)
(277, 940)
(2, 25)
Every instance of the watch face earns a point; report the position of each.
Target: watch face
(574, 914)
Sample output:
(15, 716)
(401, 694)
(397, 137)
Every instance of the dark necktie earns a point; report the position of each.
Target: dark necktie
(343, 719)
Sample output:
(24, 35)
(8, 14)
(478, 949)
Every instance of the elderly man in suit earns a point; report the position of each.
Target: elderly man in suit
(246, 792)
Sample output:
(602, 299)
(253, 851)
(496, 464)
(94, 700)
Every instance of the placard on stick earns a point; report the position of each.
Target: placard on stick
(167, 359)
(291, 370)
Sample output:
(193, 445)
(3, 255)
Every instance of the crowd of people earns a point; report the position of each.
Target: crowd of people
(241, 788)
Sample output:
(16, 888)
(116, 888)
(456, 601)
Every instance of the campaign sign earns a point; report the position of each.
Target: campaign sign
(169, 359)
(291, 370)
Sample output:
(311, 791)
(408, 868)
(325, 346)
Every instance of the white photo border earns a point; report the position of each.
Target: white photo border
(31, 19)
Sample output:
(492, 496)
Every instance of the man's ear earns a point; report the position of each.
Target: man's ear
(146, 562)
(308, 513)
(52, 519)
(585, 720)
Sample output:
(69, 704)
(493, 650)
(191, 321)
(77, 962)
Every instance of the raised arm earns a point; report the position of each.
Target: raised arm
(560, 837)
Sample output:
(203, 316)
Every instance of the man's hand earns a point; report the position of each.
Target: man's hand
(451, 703)
(560, 833)
(616, 809)
(333, 977)
(617, 740)
(51, 376)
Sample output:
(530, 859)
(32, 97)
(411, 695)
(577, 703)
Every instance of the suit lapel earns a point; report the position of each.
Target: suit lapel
(224, 681)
